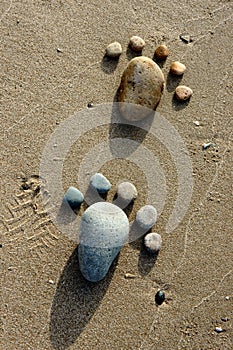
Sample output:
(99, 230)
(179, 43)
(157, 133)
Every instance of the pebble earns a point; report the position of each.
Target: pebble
(153, 242)
(146, 217)
(136, 43)
(197, 123)
(218, 329)
(104, 229)
(51, 282)
(177, 68)
(114, 50)
(127, 192)
(227, 297)
(225, 319)
(130, 276)
(100, 183)
(161, 52)
(141, 88)
(186, 38)
(159, 297)
(207, 145)
(183, 92)
(74, 197)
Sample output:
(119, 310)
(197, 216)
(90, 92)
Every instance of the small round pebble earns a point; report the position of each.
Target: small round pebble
(100, 183)
(183, 92)
(159, 297)
(218, 329)
(153, 242)
(127, 191)
(177, 68)
(114, 50)
(74, 197)
(136, 43)
(161, 52)
(146, 217)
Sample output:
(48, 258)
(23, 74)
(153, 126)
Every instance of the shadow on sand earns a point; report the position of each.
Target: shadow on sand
(74, 303)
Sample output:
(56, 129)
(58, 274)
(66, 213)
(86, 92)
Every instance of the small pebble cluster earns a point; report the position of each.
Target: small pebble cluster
(142, 82)
(104, 227)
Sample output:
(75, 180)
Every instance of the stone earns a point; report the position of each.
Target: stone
(218, 329)
(141, 88)
(183, 92)
(100, 183)
(177, 68)
(161, 52)
(146, 217)
(130, 275)
(159, 297)
(136, 43)
(74, 197)
(186, 38)
(114, 50)
(126, 192)
(153, 242)
(104, 229)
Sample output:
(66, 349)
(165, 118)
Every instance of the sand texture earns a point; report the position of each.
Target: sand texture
(52, 65)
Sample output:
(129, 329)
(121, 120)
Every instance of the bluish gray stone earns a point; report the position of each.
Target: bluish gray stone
(100, 183)
(146, 217)
(74, 197)
(104, 229)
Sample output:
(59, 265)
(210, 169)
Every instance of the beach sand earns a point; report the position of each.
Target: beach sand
(53, 65)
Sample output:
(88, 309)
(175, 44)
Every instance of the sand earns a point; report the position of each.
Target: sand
(52, 66)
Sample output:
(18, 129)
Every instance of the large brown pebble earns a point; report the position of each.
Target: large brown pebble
(141, 88)
(136, 43)
(183, 93)
(177, 68)
(161, 52)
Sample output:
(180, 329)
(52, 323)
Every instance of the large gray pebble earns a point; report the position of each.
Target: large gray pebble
(146, 217)
(103, 231)
(141, 88)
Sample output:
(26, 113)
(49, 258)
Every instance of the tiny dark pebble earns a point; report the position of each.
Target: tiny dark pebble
(225, 319)
(59, 50)
(159, 297)
(25, 186)
(0, 245)
(90, 105)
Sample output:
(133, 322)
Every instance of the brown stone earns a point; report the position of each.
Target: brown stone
(177, 68)
(183, 93)
(136, 43)
(161, 52)
(141, 88)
